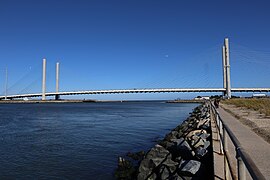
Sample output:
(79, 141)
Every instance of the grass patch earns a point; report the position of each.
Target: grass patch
(261, 105)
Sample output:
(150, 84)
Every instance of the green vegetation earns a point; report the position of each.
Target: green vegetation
(261, 105)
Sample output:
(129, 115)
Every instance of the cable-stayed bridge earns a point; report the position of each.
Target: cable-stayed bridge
(226, 90)
(122, 91)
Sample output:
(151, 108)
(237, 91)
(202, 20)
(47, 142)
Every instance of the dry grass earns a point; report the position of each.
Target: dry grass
(261, 105)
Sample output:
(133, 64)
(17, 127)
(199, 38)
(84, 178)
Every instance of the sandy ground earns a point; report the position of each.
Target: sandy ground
(258, 122)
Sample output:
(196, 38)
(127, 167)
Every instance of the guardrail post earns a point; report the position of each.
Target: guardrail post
(241, 167)
(220, 128)
(217, 119)
(220, 132)
(225, 149)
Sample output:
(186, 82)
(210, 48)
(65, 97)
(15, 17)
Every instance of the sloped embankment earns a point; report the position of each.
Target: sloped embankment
(184, 153)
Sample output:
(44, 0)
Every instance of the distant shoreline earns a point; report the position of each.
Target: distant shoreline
(45, 101)
(186, 101)
(92, 101)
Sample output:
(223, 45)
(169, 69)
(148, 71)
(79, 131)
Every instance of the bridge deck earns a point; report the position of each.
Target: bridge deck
(119, 91)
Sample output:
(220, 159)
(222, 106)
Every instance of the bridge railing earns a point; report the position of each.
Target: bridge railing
(244, 161)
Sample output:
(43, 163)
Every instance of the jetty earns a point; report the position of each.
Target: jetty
(210, 144)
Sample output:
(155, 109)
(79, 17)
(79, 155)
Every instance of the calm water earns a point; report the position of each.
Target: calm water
(79, 141)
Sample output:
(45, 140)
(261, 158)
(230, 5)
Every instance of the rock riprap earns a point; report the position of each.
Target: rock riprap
(182, 154)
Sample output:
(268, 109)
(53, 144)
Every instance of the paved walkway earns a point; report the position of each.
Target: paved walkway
(256, 147)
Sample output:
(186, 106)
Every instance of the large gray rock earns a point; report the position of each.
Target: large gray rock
(145, 169)
(172, 165)
(153, 158)
(183, 128)
(152, 176)
(167, 145)
(200, 152)
(196, 141)
(174, 157)
(203, 122)
(204, 135)
(206, 125)
(174, 133)
(206, 144)
(175, 177)
(196, 132)
(189, 168)
(158, 154)
(171, 135)
(183, 149)
(164, 172)
(178, 141)
(178, 159)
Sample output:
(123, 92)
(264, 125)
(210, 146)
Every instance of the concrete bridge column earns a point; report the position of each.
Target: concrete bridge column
(44, 80)
(57, 97)
(228, 76)
(224, 70)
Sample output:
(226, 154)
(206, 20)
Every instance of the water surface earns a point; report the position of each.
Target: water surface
(79, 140)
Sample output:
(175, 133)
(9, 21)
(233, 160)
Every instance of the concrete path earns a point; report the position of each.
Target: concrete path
(256, 147)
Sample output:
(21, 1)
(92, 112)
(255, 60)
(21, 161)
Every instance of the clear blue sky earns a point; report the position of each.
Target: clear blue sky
(118, 44)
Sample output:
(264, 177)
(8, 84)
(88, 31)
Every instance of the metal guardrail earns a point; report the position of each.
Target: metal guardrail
(244, 161)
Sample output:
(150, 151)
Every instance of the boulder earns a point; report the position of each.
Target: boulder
(196, 141)
(177, 141)
(158, 154)
(163, 172)
(189, 168)
(153, 158)
(170, 164)
(183, 149)
(152, 176)
(203, 122)
(171, 135)
(166, 144)
(204, 135)
(174, 157)
(196, 132)
(206, 144)
(200, 152)
(145, 169)
(176, 177)
(183, 127)
(178, 159)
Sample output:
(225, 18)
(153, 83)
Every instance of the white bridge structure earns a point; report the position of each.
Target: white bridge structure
(122, 91)
(226, 90)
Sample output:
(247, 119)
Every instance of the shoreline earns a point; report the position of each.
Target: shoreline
(93, 101)
(184, 153)
(186, 101)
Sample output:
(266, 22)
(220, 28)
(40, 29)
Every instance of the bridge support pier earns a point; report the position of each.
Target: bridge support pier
(224, 70)
(227, 77)
(44, 80)
(57, 97)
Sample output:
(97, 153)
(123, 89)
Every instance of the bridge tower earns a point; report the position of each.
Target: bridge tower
(6, 83)
(57, 97)
(44, 80)
(226, 68)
